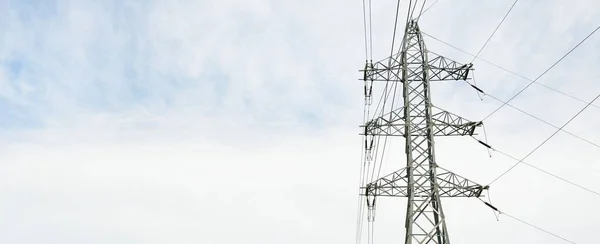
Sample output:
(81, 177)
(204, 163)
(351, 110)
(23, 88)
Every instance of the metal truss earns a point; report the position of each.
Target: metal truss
(418, 121)
(444, 124)
(450, 185)
(388, 69)
(441, 68)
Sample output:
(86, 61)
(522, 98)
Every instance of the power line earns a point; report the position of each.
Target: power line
(427, 9)
(538, 228)
(550, 174)
(368, 43)
(543, 73)
(525, 222)
(498, 26)
(547, 139)
(360, 206)
(509, 71)
(395, 26)
(370, 30)
(533, 116)
(413, 10)
(365, 30)
(538, 168)
(421, 12)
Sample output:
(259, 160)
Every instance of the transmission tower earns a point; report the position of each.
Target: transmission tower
(422, 181)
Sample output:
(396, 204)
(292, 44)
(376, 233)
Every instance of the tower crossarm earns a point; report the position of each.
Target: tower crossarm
(450, 185)
(390, 124)
(444, 124)
(388, 69)
(449, 124)
(442, 68)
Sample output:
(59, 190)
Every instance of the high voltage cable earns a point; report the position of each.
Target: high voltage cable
(525, 222)
(395, 88)
(509, 71)
(421, 12)
(377, 155)
(533, 116)
(543, 73)
(395, 27)
(427, 9)
(547, 139)
(360, 197)
(498, 26)
(538, 168)
(391, 54)
(368, 43)
(387, 95)
(545, 122)
(365, 29)
(538, 228)
(365, 172)
(412, 11)
(548, 173)
(370, 30)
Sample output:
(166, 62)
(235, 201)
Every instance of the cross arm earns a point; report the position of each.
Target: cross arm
(444, 124)
(449, 185)
(442, 68)
(388, 69)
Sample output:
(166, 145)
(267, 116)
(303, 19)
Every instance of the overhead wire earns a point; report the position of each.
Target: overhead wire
(410, 17)
(395, 27)
(387, 83)
(520, 110)
(543, 73)
(546, 140)
(547, 172)
(385, 94)
(386, 139)
(368, 33)
(427, 9)
(559, 129)
(525, 222)
(494, 32)
(507, 70)
(538, 228)
(371, 29)
(361, 201)
(393, 95)
(531, 115)
(365, 30)
(378, 157)
(421, 12)
(545, 122)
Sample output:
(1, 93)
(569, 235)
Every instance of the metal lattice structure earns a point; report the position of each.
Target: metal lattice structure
(422, 181)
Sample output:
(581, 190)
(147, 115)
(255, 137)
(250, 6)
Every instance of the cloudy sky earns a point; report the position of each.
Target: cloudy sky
(237, 121)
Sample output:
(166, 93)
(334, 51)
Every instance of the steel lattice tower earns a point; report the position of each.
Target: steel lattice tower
(422, 181)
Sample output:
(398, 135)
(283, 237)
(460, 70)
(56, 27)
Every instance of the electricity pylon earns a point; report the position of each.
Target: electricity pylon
(422, 181)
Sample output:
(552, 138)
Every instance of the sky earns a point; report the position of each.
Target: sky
(237, 121)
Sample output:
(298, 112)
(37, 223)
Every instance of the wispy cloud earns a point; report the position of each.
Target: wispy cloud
(219, 58)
